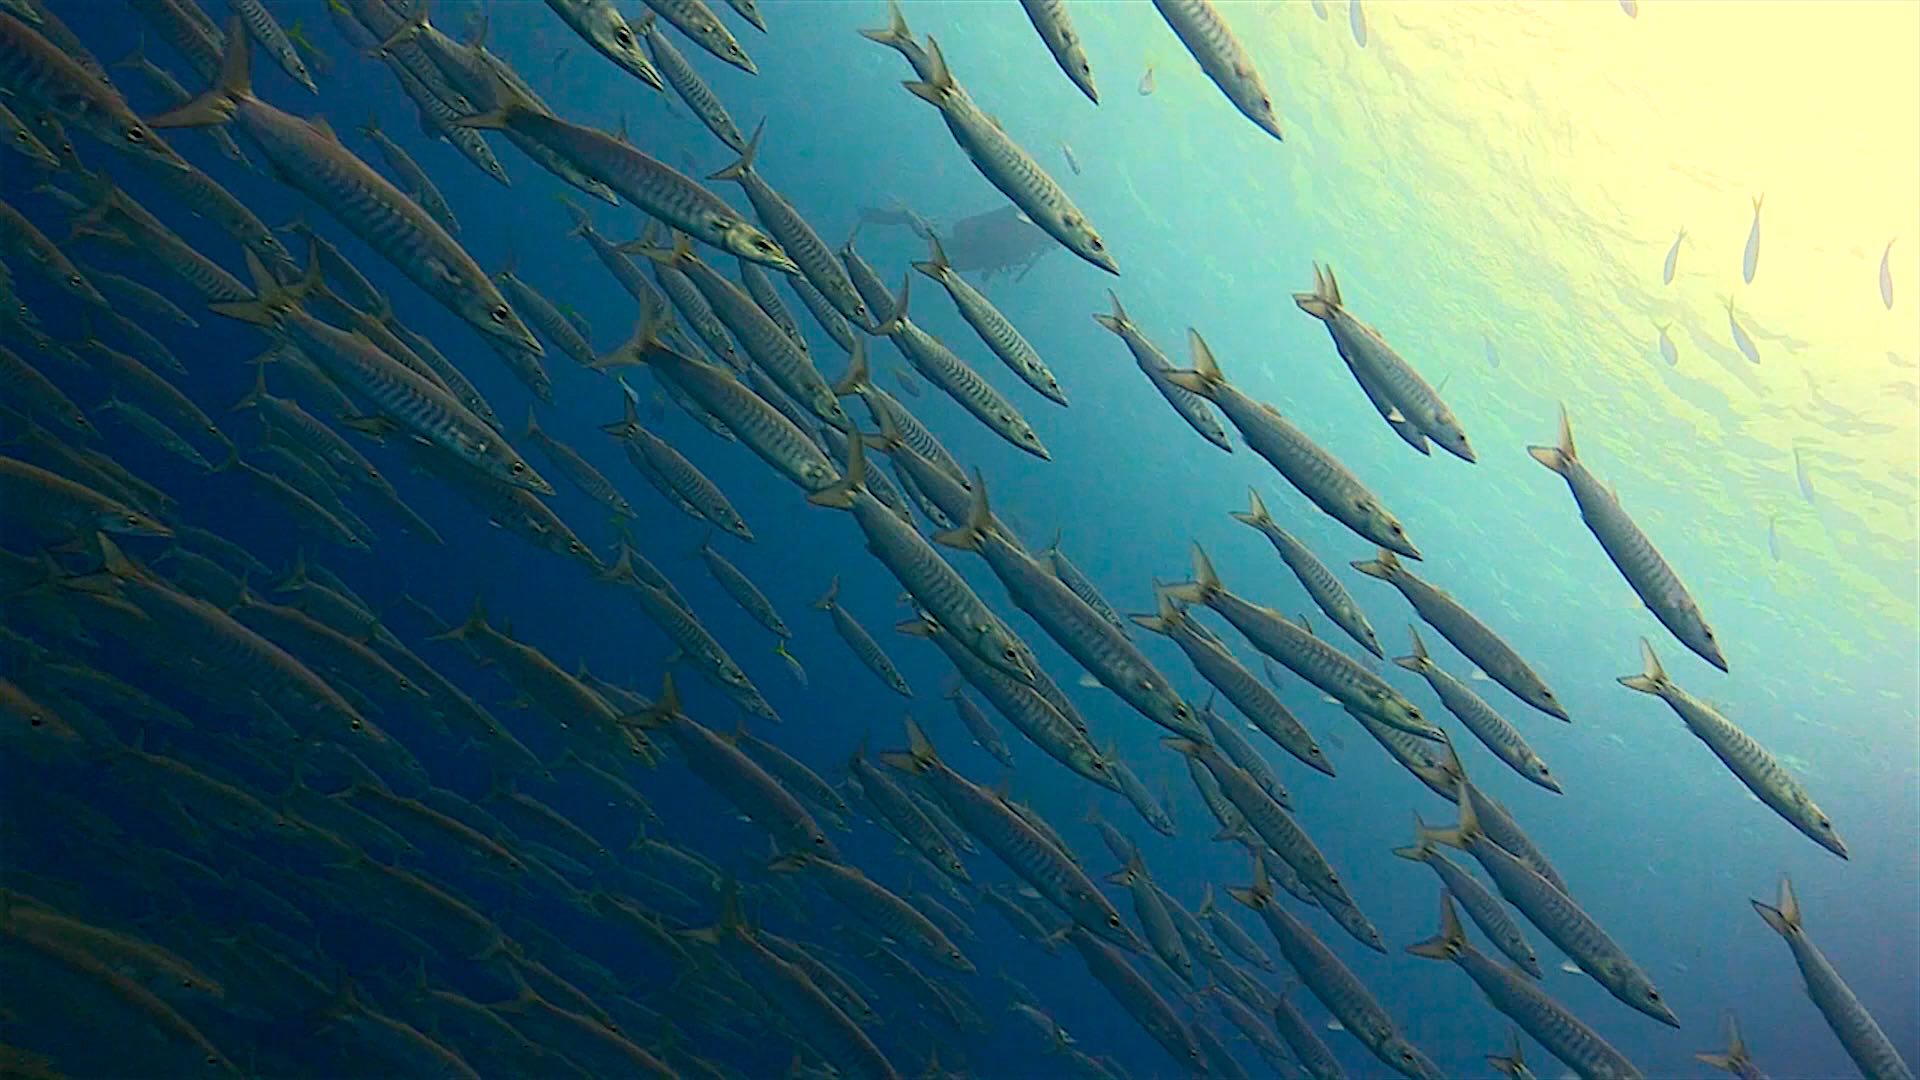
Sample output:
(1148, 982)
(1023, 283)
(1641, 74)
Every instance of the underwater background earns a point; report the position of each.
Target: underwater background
(1496, 186)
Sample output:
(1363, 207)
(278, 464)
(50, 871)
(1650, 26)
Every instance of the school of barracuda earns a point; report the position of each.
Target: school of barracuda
(303, 771)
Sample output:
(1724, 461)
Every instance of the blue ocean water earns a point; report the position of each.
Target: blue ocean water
(1214, 226)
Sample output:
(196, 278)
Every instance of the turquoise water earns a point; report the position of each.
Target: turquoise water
(1496, 188)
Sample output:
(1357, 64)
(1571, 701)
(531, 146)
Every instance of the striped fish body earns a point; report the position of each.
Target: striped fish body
(1140, 1000)
(1241, 753)
(1082, 585)
(948, 490)
(414, 179)
(1051, 21)
(695, 312)
(1198, 25)
(868, 283)
(1569, 927)
(700, 98)
(686, 482)
(907, 820)
(624, 269)
(1246, 693)
(696, 20)
(1009, 167)
(157, 432)
(1255, 1030)
(1383, 373)
(816, 260)
(437, 120)
(1154, 365)
(760, 287)
(997, 331)
(980, 726)
(749, 788)
(744, 592)
(1859, 1033)
(868, 651)
(823, 310)
(1475, 639)
(181, 24)
(446, 373)
(1645, 569)
(878, 482)
(1482, 906)
(754, 422)
(600, 24)
(415, 404)
(579, 472)
(1136, 793)
(207, 198)
(1311, 469)
(260, 23)
(1504, 831)
(1487, 725)
(1321, 664)
(559, 330)
(350, 659)
(940, 366)
(1343, 994)
(312, 160)
(167, 250)
(933, 583)
(1564, 1035)
(1233, 937)
(1312, 1053)
(793, 774)
(37, 71)
(1151, 910)
(1328, 594)
(692, 638)
(21, 237)
(770, 347)
(884, 911)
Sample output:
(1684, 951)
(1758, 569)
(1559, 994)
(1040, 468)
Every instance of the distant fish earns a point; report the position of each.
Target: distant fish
(1357, 19)
(1493, 357)
(1740, 339)
(1673, 257)
(907, 383)
(793, 665)
(1667, 351)
(1146, 82)
(1773, 538)
(1631, 7)
(1074, 164)
(1886, 275)
(1320, 10)
(1751, 259)
(1800, 475)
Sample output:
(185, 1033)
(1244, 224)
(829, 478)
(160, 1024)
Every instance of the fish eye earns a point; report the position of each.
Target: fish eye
(624, 36)
(1113, 920)
(1095, 244)
(819, 840)
(500, 314)
(136, 135)
(36, 720)
(1652, 994)
(76, 280)
(132, 521)
(518, 467)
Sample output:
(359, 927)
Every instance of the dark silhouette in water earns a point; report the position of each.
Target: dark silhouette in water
(996, 242)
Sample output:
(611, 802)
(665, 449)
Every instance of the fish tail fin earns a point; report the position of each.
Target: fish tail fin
(476, 622)
(840, 493)
(1784, 918)
(1512, 1063)
(1205, 583)
(1256, 513)
(920, 755)
(410, 27)
(254, 396)
(533, 423)
(859, 376)
(136, 58)
(830, 597)
(1260, 893)
(1188, 747)
(1652, 678)
(900, 301)
(1559, 457)
(665, 707)
(936, 263)
(1736, 1054)
(1207, 906)
(971, 536)
(1419, 659)
(217, 105)
(1451, 941)
(896, 33)
(1422, 847)
(742, 167)
(115, 561)
(1325, 297)
(1383, 566)
(1116, 322)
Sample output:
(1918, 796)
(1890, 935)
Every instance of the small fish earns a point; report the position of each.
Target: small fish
(1631, 7)
(1740, 339)
(793, 664)
(1801, 475)
(1493, 358)
(1145, 88)
(1320, 10)
(1357, 20)
(1667, 350)
(1886, 273)
(1673, 257)
(1773, 538)
(1886, 286)
(1751, 260)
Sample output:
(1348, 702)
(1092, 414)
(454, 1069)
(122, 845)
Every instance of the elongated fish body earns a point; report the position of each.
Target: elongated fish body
(1031, 714)
(744, 591)
(1199, 26)
(624, 269)
(41, 17)
(559, 330)
(1334, 983)
(1487, 725)
(1286, 838)
(30, 392)
(685, 480)
(167, 250)
(881, 909)
(1097, 644)
(20, 237)
(898, 424)
(449, 376)
(40, 73)
(700, 98)
(132, 377)
(133, 294)
(1500, 827)
(994, 328)
(754, 422)
(156, 431)
(1631, 551)
(601, 25)
(1442, 775)
(1008, 167)
(883, 489)
(1242, 753)
(215, 203)
(1305, 655)
(1556, 915)
(1313, 1054)
(412, 177)
(347, 657)
(1475, 639)
(1750, 259)
(1138, 997)
(21, 138)
(578, 471)
(1741, 340)
(1310, 468)
(1481, 904)
(816, 261)
(770, 347)
(940, 366)
(867, 282)
(1135, 792)
(183, 25)
(1241, 687)
(824, 311)
(1852, 1024)
(793, 774)
(1023, 848)
(1763, 775)
(1564, 1035)
(439, 118)
(980, 726)
(1082, 586)
(760, 287)
(1231, 935)
(865, 648)
(1673, 258)
(1154, 364)
(1328, 594)
(696, 312)
(696, 20)
(58, 508)
(1055, 27)
(830, 1031)
(1390, 382)
(267, 32)
(906, 819)
(699, 644)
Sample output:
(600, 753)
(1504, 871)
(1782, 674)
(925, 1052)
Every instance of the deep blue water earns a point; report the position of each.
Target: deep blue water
(1655, 839)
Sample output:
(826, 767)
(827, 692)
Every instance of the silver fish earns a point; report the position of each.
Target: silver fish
(1872, 1052)
(994, 328)
(601, 25)
(1200, 27)
(1325, 589)
(1488, 726)
(705, 105)
(1050, 20)
(696, 20)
